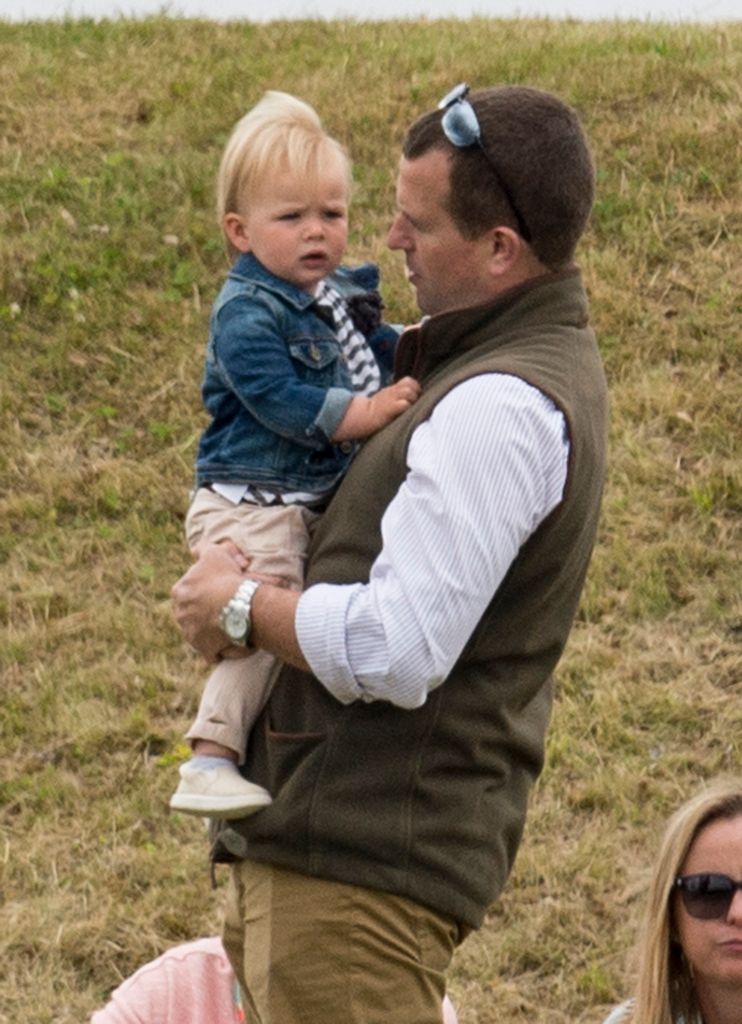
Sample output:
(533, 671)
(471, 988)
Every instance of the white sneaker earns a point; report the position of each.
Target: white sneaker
(217, 792)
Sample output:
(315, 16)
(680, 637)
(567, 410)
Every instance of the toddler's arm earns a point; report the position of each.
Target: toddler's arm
(364, 416)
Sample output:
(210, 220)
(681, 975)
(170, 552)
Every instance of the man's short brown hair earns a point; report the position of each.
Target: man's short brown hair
(539, 149)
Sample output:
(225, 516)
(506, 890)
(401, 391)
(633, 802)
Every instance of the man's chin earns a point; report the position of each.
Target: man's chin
(420, 298)
(426, 307)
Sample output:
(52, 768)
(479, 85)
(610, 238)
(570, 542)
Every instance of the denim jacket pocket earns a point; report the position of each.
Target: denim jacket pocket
(315, 354)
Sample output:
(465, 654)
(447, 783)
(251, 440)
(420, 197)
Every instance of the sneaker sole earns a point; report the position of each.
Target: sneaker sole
(209, 807)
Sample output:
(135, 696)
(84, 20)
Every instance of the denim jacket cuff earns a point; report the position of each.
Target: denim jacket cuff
(331, 412)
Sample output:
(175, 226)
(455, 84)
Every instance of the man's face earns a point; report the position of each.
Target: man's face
(446, 270)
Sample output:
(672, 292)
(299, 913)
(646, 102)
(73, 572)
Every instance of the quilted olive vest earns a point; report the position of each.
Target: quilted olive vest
(430, 803)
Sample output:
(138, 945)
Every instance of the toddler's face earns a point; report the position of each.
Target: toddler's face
(298, 233)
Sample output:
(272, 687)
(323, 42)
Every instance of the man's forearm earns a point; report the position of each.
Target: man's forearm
(273, 624)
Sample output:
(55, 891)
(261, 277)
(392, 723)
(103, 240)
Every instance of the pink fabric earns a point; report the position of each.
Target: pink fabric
(449, 1014)
(189, 984)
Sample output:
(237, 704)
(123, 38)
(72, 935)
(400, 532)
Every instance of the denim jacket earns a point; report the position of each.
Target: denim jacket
(276, 384)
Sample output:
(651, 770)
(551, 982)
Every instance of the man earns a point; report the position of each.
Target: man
(407, 726)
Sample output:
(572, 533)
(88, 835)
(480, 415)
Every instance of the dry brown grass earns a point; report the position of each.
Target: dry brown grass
(109, 137)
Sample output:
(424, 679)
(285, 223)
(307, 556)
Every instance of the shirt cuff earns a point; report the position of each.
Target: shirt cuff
(320, 630)
(331, 412)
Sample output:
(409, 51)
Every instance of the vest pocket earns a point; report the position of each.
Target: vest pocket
(291, 757)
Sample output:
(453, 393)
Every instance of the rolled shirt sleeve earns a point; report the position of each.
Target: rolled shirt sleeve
(483, 472)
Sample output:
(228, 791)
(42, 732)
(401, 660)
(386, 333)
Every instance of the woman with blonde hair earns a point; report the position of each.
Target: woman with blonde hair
(690, 953)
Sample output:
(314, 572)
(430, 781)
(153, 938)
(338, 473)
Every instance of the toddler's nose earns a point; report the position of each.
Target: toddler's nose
(314, 227)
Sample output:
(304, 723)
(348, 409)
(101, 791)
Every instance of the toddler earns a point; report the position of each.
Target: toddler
(296, 359)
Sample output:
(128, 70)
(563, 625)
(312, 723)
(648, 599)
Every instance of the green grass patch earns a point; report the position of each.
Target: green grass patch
(109, 260)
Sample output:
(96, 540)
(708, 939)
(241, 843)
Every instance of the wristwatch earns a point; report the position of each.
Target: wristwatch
(234, 617)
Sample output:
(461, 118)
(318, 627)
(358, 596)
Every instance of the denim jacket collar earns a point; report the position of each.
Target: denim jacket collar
(248, 268)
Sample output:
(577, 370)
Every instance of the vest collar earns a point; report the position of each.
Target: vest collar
(550, 297)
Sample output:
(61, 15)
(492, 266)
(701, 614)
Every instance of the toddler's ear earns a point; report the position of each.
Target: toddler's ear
(236, 231)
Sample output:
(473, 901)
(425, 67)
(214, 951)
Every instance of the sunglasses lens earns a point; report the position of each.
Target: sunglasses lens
(707, 896)
(460, 125)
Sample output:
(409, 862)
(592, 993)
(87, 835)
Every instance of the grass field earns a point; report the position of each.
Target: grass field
(109, 258)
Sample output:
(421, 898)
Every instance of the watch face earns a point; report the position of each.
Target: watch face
(235, 624)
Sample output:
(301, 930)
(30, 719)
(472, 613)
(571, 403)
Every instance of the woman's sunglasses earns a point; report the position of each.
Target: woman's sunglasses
(460, 125)
(707, 896)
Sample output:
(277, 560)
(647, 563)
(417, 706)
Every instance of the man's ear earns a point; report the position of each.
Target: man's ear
(236, 231)
(506, 248)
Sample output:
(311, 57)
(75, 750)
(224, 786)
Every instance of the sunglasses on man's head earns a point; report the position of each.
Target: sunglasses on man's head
(460, 125)
(707, 896)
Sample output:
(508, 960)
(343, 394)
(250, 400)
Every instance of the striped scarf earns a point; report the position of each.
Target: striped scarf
(364, 372)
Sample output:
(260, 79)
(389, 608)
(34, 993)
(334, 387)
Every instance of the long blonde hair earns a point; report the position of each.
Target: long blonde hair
(665, 993)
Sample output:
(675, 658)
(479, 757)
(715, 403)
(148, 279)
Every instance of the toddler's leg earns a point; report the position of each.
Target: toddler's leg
(276, 539)
(211, 785)
(232, 699)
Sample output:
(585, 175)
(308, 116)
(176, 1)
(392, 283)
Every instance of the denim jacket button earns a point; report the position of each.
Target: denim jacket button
(346, 447)
(315, 353)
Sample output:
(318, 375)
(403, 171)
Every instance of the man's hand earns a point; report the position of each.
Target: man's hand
(200, 595)
(210, 583)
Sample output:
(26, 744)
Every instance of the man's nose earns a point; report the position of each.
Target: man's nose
(396, 238)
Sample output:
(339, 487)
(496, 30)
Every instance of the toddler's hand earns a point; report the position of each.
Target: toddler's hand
(364, 416)
(393, 400)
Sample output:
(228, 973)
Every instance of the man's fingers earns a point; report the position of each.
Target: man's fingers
(275, 581)
(236, 554)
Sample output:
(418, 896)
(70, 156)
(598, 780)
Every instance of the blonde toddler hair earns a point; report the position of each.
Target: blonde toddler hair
(279, 133)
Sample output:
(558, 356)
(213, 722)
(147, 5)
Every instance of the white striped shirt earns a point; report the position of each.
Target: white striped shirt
(483, 472)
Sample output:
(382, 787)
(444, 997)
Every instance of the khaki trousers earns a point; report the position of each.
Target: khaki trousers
(311, 951)
(275, 539)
